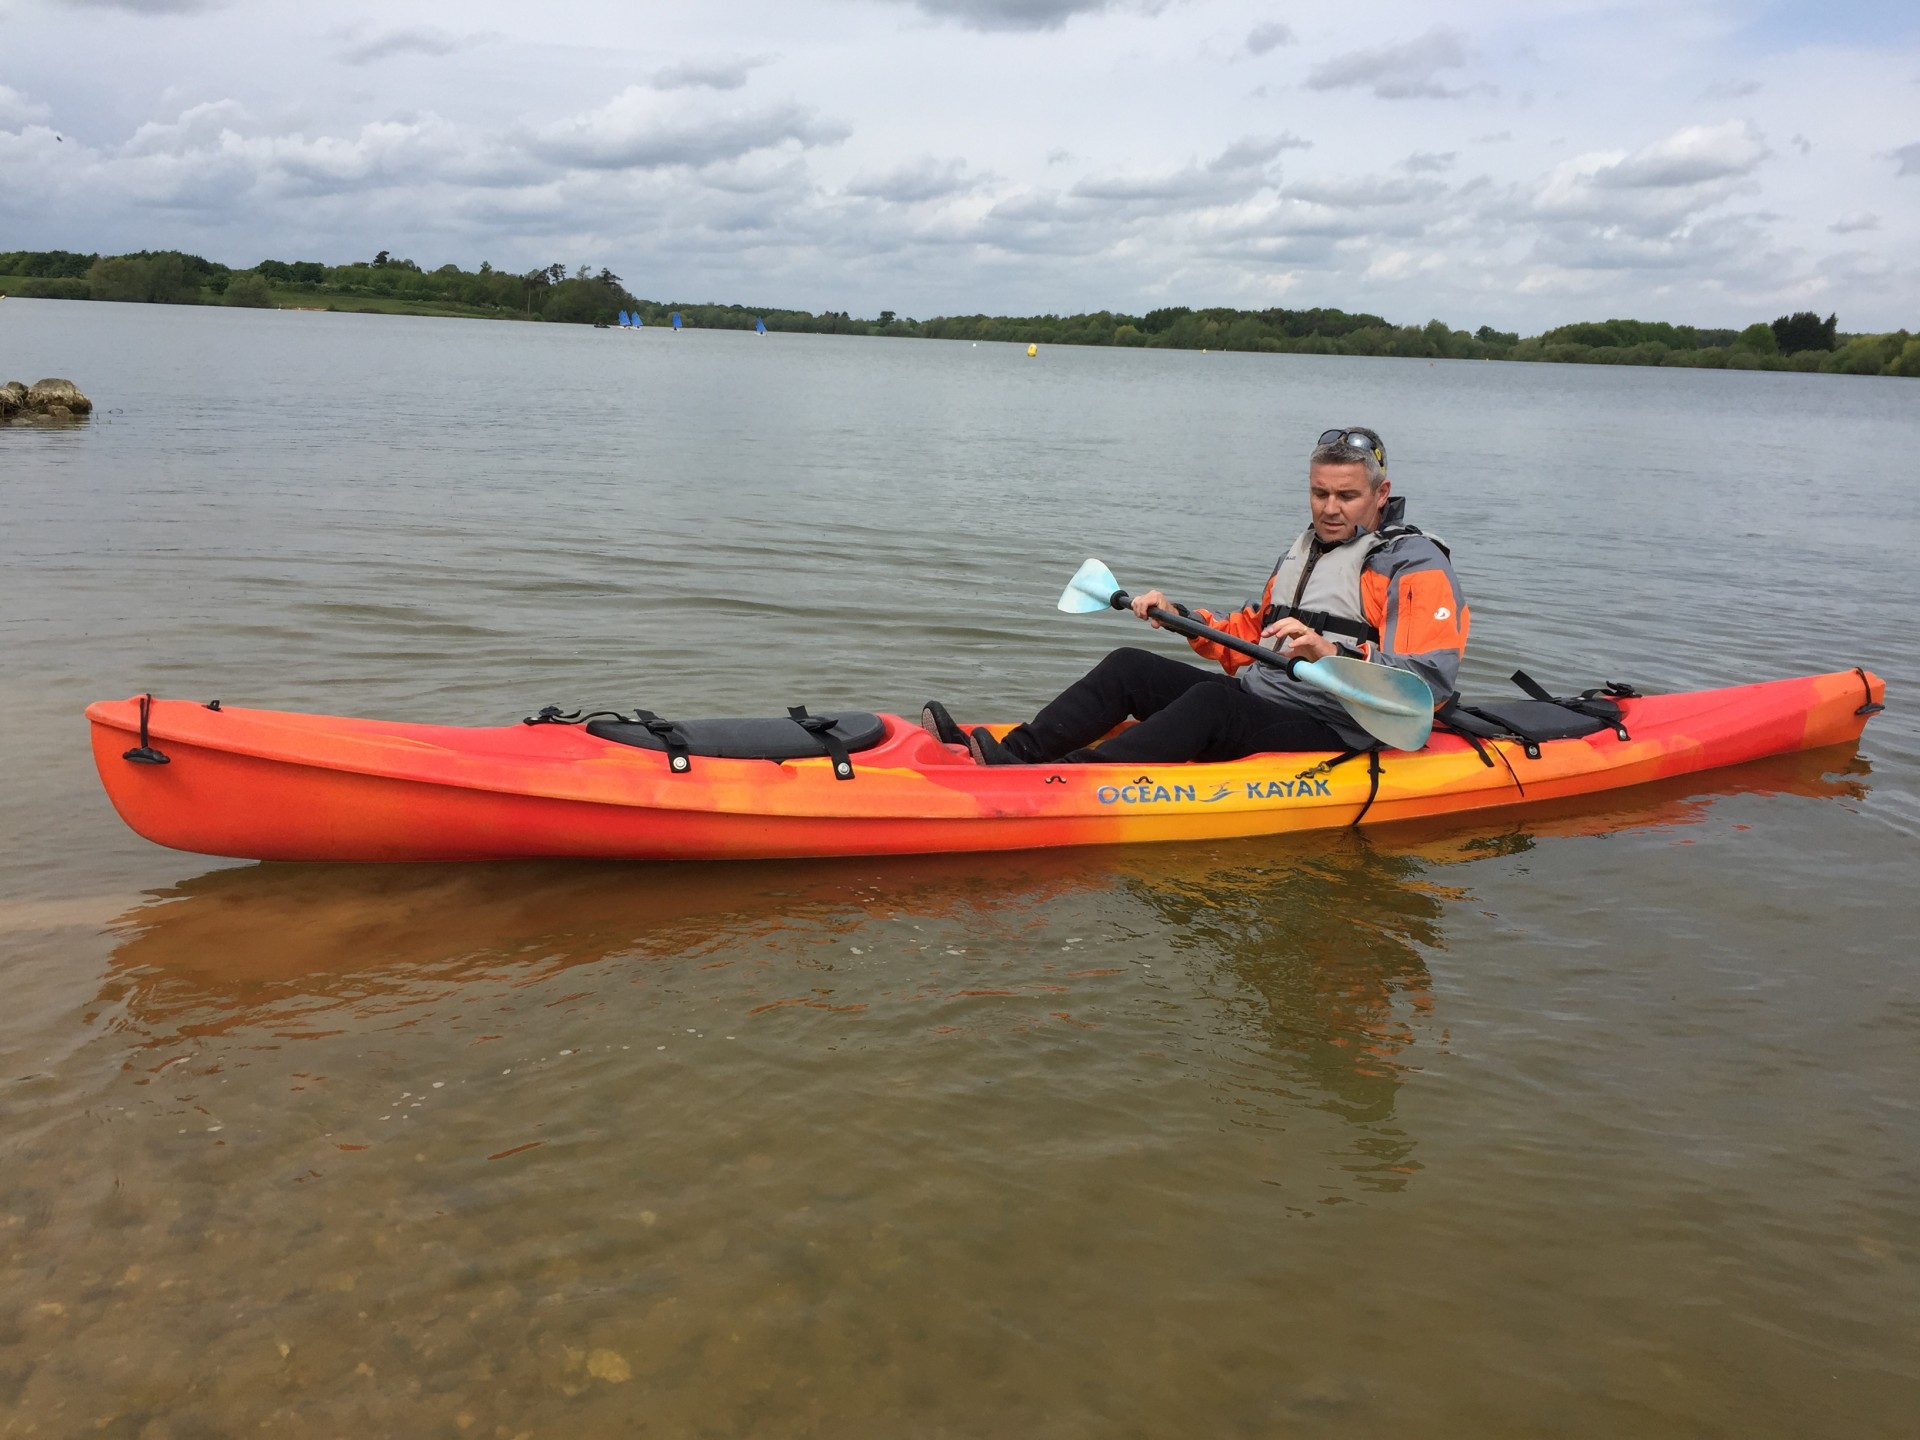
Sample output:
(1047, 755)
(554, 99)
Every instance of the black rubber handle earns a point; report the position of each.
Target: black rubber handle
(1187, 625)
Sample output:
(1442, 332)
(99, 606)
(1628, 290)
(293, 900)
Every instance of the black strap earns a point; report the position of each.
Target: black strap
(1582, 704)
(143, 753)
(1373, 783)
(679, 759)
(1322, 620)
(1443, 717)
(1535, 690)
(554, 715)
(1869, 708)
(821, 728)
(1372, 752)
(679, 756)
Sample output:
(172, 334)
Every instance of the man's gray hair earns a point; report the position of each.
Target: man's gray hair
(1341, 453)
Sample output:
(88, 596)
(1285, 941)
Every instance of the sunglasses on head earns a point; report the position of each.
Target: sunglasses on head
(1358, 439)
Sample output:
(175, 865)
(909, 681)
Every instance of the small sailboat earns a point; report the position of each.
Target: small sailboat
(676, 322)
(759, 326)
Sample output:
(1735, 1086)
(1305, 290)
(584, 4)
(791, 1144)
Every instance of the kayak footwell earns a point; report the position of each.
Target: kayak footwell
(271, 785)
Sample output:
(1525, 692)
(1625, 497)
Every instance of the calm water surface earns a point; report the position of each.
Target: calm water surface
(1589, 1121)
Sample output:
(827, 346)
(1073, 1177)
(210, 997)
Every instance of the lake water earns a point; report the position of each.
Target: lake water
(1587, 1121)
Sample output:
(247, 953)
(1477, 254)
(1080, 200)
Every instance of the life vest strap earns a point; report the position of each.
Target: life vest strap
(1325, 621)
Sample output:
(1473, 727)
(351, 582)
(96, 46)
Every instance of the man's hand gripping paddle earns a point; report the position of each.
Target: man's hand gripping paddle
(1393, 706)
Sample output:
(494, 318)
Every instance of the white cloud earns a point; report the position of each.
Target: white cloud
(635, 131)
(18, 110)
(1854, 221)
(1692, 156)
(1408, 70)
(1429, 162)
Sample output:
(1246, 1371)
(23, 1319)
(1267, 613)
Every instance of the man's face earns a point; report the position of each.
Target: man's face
(1343, 502)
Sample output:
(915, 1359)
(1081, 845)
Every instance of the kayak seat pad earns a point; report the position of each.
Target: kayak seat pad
(1537, 720)
(751, 739)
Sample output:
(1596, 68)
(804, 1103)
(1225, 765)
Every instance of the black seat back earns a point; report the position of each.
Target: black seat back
(752, 739)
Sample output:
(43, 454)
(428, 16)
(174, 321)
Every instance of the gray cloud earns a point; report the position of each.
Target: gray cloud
(1732, 89)
(1269, 36)
(1361, 192)
(630, 132)
(416, 40)
(1908, 157)
(1705, 243)
(917, 181)
(1236, 173)
(713, 74)
(1429, 162)
(1408, 70)
(1855, 221)
(1011, 14)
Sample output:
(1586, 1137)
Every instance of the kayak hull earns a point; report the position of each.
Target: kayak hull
(271, 785)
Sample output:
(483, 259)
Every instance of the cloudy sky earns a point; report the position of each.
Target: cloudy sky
(1515, 162)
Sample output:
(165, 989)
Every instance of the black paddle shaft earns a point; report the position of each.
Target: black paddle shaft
(1187, 625)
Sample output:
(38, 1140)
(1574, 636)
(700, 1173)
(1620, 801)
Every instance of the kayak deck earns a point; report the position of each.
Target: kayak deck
(272, 785)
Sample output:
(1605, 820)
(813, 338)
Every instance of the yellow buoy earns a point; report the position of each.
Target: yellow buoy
(1032, 350)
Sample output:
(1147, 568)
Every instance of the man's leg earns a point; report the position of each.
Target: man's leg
(1128, 684)
(1214, 722)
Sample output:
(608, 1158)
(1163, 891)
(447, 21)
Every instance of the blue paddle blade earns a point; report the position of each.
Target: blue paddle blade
(1392, 705)
(1091, 588)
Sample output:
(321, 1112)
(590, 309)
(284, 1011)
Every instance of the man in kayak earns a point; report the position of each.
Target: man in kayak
(1358, 582)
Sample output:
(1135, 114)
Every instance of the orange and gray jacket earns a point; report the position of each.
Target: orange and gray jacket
(1388, 596)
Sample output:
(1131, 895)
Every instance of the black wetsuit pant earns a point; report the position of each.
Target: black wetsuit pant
(1185, 713)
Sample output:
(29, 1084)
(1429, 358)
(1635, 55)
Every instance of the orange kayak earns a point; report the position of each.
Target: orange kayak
(271, 785)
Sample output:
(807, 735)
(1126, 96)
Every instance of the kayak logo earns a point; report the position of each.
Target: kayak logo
(1286, 789)
(1443, 613)
(1147, 793)
(1143, 793)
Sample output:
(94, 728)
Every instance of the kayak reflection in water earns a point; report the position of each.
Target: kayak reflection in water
(1359, 582)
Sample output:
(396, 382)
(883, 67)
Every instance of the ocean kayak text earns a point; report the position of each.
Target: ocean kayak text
(1164, 794)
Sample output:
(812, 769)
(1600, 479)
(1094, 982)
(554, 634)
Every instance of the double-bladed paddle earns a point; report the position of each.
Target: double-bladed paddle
(1393, 706)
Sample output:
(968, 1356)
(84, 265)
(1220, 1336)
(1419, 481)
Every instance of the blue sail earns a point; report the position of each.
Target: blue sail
(759, 327)
(625, 322)
(676, 319)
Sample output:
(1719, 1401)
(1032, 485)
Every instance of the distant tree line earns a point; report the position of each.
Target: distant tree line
(1800, 341)
(173, 277)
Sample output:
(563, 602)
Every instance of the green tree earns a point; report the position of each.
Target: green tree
(1758, 339)
(250, 289)
(1804, 330)
(118, 277)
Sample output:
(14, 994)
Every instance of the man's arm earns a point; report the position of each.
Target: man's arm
(1243, 624)
(1412, 597)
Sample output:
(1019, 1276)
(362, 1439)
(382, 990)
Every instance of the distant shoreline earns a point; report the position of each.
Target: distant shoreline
(385, 286)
